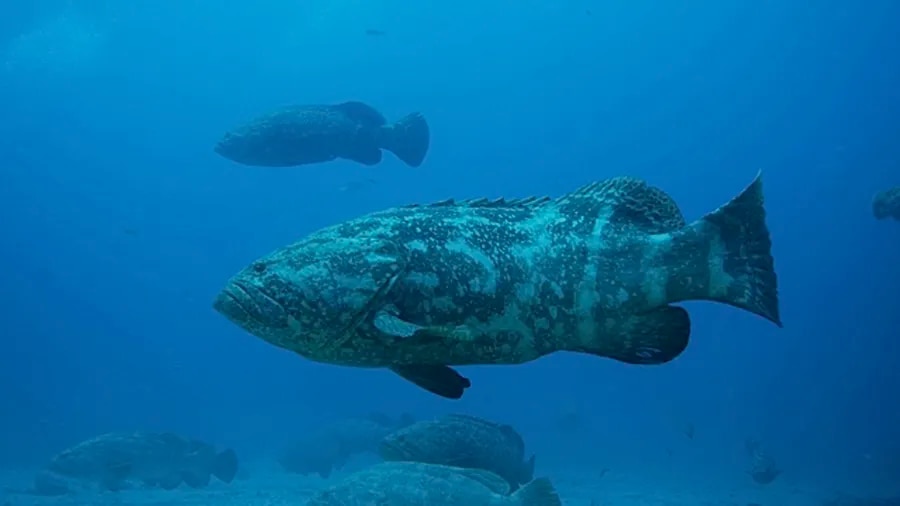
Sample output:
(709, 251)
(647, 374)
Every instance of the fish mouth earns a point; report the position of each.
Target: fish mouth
(246, 304)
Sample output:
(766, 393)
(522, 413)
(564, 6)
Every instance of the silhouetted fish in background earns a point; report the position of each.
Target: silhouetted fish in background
(162, 460)
(463, 441)
(307, 134)
(419, 484)
(886, 204)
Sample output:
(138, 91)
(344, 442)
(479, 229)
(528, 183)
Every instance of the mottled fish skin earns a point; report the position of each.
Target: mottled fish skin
(506, 282)
(157, 459)
(886, 204)
(419, 484)
(308, 134)
(463, 441)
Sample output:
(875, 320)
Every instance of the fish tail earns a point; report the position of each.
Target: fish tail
(539, 492)
(225, 466)
(408, 139)
(726, 257)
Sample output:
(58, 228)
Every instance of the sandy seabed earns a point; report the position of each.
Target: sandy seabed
(266, 486)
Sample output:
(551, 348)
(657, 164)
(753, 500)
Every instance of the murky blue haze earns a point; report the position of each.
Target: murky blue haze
(118, 223)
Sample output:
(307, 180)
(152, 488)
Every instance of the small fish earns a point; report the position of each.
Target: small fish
(421, 288)
(162, 460)
(463, 441)
(308, 134)
(418, 484)
(886, 204)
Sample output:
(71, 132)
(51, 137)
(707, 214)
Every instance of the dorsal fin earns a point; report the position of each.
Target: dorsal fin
(483, 202)
(363, 114)
(624, 202)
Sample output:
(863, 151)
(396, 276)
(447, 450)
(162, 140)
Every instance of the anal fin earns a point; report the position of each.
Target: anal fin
(438, 379)
(652, 338)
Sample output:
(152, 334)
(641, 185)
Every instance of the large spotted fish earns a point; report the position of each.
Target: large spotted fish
(421, 288)
(420, 484)
(157, 459)
(462, 441)
(307, 134)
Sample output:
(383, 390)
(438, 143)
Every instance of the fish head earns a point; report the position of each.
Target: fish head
(241, 145)
(72, 462)
(311, 297)
(91, 461)
(406, 444)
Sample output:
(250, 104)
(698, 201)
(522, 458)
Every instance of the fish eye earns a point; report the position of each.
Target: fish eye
(259, 267)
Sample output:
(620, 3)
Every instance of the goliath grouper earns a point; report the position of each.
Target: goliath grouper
(418, 484)
(462, 441)
(420, 288)
(301, 135)
(156, 459)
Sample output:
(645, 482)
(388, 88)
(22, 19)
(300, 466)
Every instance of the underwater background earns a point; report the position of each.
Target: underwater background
(119, 224)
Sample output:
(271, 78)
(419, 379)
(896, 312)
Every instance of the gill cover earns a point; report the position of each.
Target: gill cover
(345, 286)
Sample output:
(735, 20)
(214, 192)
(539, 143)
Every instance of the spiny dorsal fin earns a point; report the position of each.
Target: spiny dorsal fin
(624, 202)
(485, 203)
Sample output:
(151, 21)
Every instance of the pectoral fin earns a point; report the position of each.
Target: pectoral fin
(392, 325)
(388, 323)
(438, 379)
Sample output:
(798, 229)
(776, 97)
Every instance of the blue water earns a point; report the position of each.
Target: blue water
(118, 223)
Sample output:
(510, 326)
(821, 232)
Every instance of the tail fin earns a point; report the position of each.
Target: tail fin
(408, 139)
(539, 492)
(728, 257)
(225, 467)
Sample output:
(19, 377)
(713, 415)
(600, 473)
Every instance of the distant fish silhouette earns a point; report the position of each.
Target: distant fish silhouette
(307, 134)
(374, 32)
(886, 204)
(162, 460)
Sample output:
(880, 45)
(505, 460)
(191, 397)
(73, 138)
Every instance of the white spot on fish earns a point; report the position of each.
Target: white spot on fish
(486, 284)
